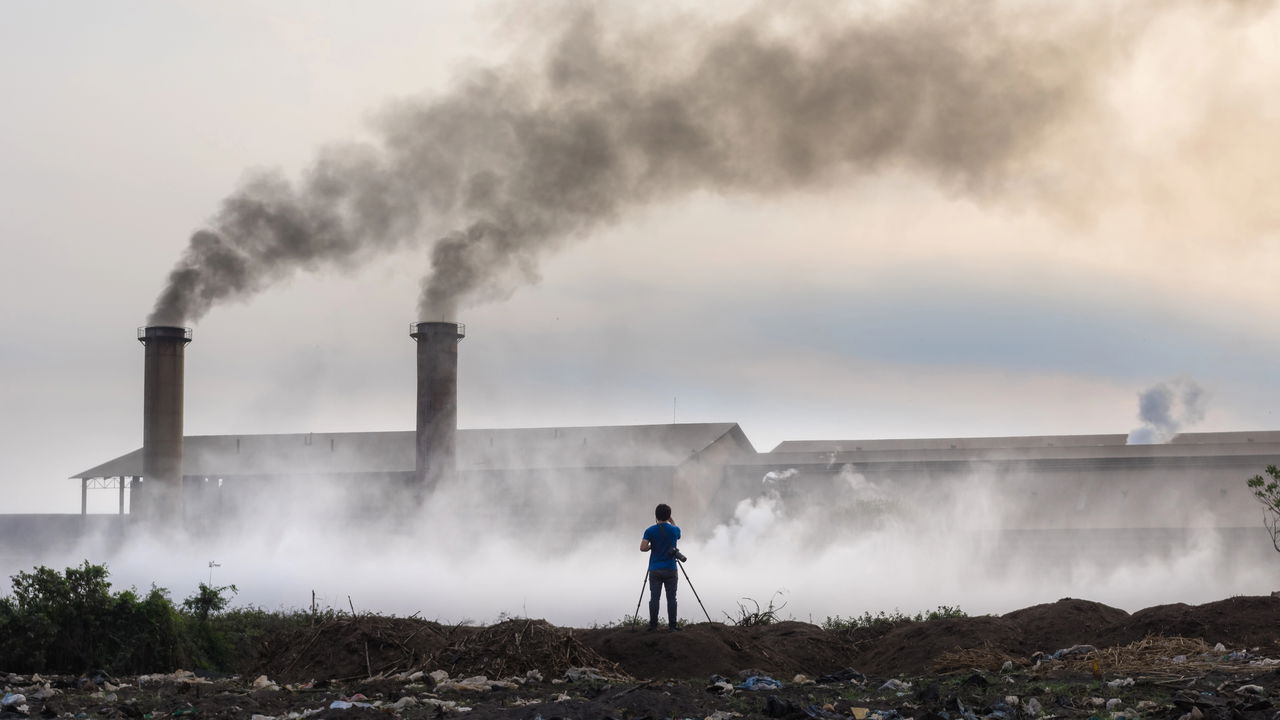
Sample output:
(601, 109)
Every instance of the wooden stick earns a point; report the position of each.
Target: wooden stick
(630, 690)
(367, 666)
(352, 605)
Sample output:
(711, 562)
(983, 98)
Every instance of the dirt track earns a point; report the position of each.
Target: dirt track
(1161, 662)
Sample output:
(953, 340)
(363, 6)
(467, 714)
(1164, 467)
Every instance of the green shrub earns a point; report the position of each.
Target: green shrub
(1267, 491)
(887, 620)
(72, 622)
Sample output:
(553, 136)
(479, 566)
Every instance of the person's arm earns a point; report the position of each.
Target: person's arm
(644, 546)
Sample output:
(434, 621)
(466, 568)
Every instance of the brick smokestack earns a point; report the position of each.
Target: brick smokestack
(160, 496)
(437, 401)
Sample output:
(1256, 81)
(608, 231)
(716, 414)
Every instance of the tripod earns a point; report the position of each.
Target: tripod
(636, 618)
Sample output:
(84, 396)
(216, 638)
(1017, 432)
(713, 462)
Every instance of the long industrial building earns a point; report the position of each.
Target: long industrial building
(1049, 482)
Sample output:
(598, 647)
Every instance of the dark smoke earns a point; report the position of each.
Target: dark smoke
(1165, 409)
(521, 159)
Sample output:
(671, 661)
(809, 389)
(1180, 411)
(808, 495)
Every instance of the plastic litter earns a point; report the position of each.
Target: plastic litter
(262, 682)
(347, 705)
(12, 700)
(575, 674)
(896, 685)
(1252, 690)
(720, 685)
(1032, 708)
(759, 682)
(1073, 650)
(1125, 682)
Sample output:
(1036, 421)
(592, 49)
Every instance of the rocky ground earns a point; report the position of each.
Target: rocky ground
(1069, 659)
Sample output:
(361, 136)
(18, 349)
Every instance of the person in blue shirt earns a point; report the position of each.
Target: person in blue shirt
(660, 542)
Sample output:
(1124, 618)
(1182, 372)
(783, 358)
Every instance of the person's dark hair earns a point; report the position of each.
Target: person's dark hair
(662, 512)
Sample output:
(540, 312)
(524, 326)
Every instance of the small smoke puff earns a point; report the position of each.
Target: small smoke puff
(774, 476)
(1165, 409)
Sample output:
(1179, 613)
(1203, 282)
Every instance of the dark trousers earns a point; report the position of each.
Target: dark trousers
(659, 579)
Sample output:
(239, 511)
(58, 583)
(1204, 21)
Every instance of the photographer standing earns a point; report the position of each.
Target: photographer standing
(660, 542)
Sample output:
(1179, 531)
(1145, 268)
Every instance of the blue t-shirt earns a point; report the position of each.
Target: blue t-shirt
(662, 537)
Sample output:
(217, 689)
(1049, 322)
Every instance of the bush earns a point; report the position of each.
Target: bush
(1268, 493)
(756, 615)
(72, 622)
(883, 620)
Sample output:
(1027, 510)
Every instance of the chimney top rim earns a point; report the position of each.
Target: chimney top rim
(164, 332)
(417, 329)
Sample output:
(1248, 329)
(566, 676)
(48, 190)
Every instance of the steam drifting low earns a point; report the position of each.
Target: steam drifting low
(517, 160)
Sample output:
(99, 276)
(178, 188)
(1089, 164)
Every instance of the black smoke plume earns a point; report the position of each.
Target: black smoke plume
(517, 160)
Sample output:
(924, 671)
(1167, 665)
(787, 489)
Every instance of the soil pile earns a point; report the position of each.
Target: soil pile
(714, 649)
(342, 647)
(516, 647)
(1234, 622)
(346, 648)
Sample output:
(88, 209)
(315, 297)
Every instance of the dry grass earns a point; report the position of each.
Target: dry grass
(517, 646)
(983, 657)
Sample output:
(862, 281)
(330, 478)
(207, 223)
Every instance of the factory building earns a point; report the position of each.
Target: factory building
(1045, 482)
(615, 466)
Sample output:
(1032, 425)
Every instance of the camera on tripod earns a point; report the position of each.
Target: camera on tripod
(675, 554)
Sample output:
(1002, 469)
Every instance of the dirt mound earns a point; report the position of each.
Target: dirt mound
(515, 647)
(1053, 626)
(913, 648)
(1236, 622)
(343, 647)
(346, 648)
(781, 649)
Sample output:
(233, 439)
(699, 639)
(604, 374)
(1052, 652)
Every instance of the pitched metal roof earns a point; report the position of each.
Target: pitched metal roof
(1247, 447)
(1271, 437)
(387, 452)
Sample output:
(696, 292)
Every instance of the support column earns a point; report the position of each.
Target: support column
(123, 481)
(84, 496)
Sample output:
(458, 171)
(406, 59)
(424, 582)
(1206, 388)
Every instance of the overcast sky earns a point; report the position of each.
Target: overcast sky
(1140, 246)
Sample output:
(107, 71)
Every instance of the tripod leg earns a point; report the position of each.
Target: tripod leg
(691, 587)
(639, 600)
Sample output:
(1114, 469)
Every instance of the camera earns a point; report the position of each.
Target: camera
(675, 554)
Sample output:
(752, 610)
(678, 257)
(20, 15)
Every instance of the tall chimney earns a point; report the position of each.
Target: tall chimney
(160, 499)
(437, 401)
